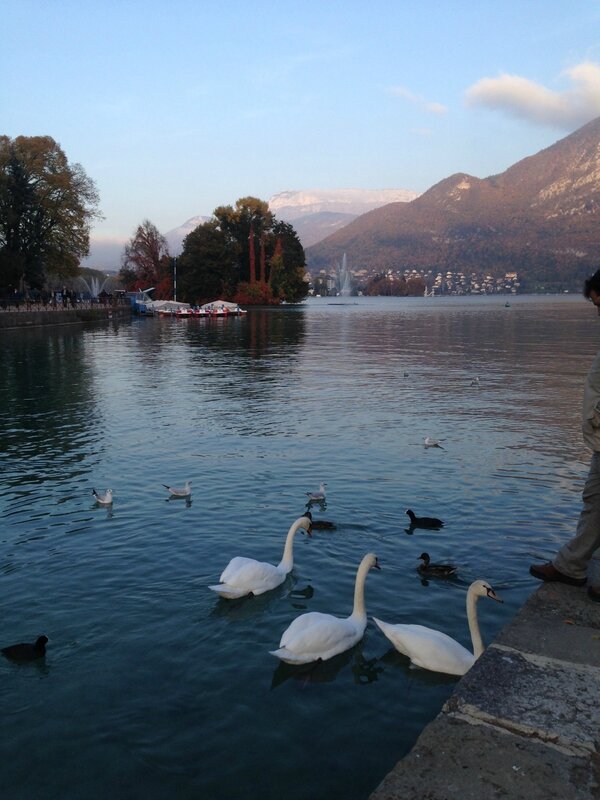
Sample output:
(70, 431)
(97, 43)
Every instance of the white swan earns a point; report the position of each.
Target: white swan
(317, 637)
(435, 650)
(244, 576)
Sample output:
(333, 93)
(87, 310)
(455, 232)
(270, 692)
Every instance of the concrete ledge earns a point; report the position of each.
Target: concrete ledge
(524, 722)
(456, 759)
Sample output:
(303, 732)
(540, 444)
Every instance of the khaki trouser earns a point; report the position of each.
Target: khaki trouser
(573, 558)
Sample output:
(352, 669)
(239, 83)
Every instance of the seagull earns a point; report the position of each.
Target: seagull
(475, 382)
(181, 492)
(319, 494)
(25, 651)
(429, 442)
(104, 499)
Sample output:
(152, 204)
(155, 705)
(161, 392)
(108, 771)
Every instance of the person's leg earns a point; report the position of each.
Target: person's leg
(570, 564)
(573, 558)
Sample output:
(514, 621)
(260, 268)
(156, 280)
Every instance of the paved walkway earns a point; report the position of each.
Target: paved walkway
(524, 722)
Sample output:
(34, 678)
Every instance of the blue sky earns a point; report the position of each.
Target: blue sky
(174, 108)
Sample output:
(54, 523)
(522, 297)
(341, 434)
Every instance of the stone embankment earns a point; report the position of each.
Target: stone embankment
(85, 312)
(524, 722)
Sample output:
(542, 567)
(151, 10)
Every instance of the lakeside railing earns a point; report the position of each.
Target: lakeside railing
(11, 304)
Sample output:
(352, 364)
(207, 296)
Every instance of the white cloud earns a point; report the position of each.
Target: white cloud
(406, 94)
(529, 100)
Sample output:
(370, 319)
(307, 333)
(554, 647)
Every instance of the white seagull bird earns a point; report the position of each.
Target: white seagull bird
(103, 499)
(429, 442)
(317, 637)
(434, 650)
(319, 494)
(244, 576)
(184, 491)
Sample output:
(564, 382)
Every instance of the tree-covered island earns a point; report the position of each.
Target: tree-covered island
(47, 206)
(243, 253)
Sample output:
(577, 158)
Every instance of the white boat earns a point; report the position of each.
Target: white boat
(171, 308)
(222, 308)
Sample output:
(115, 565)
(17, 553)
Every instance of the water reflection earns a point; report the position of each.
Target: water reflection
(39, 667)
(392, 659)
(363, 670)
(250, 605)
(186, 501)
(49, 413)
(255, 412)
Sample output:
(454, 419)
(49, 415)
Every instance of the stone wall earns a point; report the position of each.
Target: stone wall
(62, 316)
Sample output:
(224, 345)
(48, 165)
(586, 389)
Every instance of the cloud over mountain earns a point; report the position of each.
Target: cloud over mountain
(526, 99)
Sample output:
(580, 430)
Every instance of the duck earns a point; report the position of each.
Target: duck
(441, 570)
(103, 499)
(423, 522)
(434, 650)
(324, 525)
(243, 576)
(317, 637)
(319, 495)
(184, 491)
(25, 651)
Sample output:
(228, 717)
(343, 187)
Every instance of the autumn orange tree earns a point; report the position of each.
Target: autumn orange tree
(146, 262)
(47, 206)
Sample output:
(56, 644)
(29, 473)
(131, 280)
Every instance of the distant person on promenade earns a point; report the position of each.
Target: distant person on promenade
(571, 562)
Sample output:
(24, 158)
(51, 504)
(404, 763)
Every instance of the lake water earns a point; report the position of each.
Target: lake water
(152, 686)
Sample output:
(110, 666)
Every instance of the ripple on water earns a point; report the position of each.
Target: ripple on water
(152, 683)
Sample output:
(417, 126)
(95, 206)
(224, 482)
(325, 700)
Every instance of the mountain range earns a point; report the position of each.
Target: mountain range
(317, 213)
(541, 217)
(314, 213)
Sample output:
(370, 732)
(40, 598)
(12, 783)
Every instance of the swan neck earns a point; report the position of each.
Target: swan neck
(359, 612)
(476, 639)
(287, 559)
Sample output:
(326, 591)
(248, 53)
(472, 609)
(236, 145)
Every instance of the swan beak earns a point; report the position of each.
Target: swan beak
(493, 596)
(376, 565)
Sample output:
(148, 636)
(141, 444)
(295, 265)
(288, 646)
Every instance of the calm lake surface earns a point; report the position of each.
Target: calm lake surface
(152, 686)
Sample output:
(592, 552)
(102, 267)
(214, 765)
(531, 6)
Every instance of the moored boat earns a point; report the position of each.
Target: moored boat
(223, 308)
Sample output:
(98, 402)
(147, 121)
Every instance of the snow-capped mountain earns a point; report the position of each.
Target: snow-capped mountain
(176, 236)
(292, 205)
(314, 213)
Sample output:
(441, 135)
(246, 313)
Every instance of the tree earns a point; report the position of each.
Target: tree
(287, 264)
(246, 254)
(208, 266)
(146, 262)
(246, 226)
(46, 209)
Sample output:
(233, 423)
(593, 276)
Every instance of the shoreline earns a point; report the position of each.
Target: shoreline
(524, 722)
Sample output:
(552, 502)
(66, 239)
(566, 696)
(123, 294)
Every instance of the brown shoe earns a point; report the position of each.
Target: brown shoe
(594, 593)
(548, 572)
